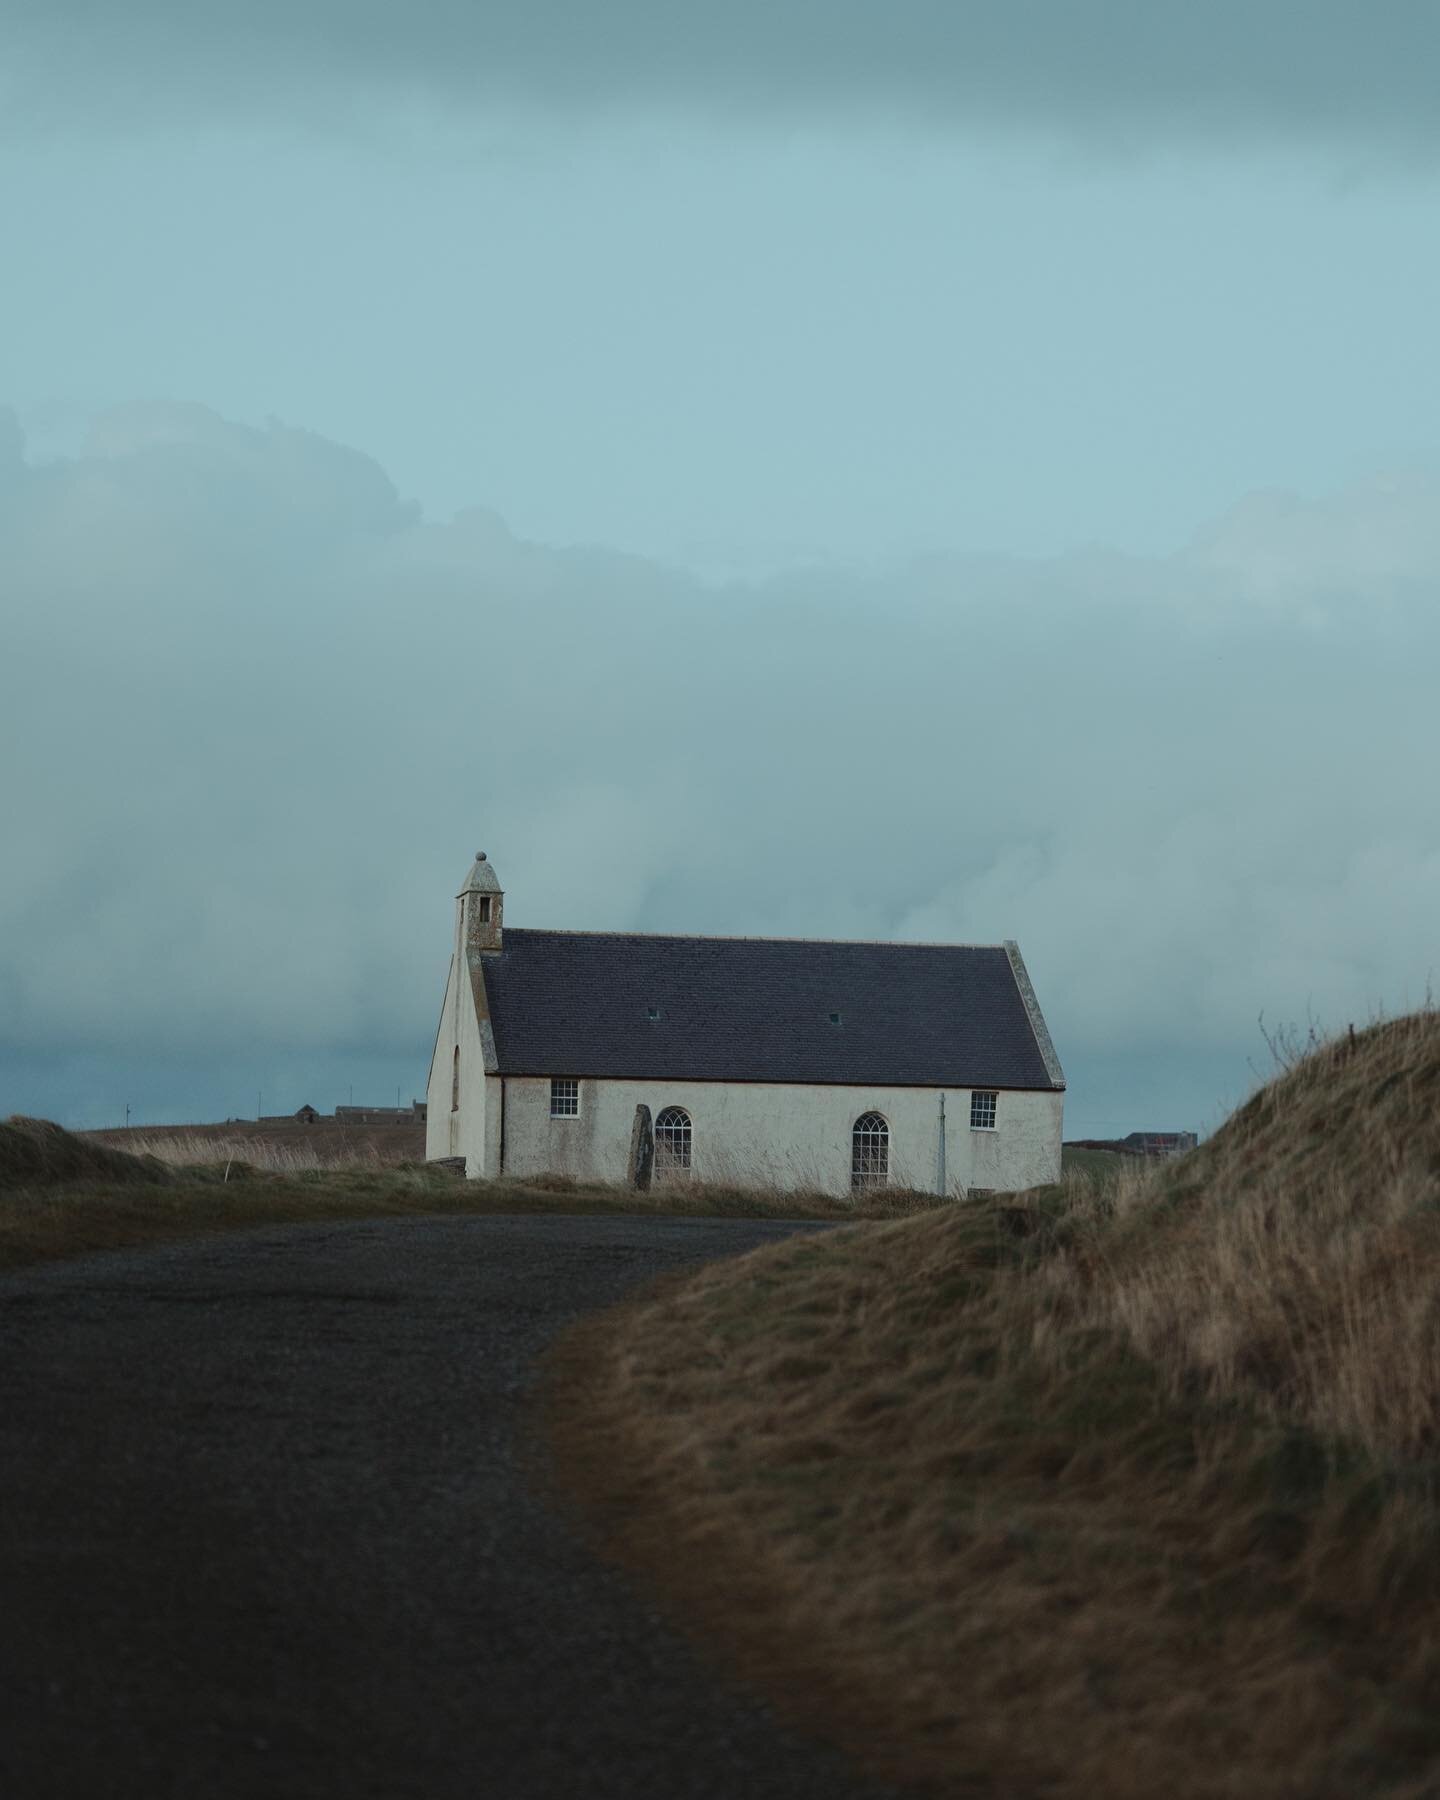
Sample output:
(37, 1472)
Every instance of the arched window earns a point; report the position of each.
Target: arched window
(672, 1141)
(869, 1151)
(455, 1082)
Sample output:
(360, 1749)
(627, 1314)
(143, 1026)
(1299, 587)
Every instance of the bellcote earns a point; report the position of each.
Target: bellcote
(481, 904)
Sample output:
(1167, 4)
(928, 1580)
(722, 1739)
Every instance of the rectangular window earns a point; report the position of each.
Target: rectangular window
(564, 1098)
(484, 909)
(982, 1110)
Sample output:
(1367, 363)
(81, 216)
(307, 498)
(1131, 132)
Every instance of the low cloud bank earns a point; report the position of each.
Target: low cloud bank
(259, 714)
(1324, 71)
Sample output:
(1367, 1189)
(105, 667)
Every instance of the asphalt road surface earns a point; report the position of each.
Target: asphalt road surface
(265, 1529)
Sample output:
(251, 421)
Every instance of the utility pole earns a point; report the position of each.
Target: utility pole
(127, 1115)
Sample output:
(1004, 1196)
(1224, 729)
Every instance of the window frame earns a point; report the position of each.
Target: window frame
(564, 1088)
(979, 1097)
(668, 1130)
(869, 1169)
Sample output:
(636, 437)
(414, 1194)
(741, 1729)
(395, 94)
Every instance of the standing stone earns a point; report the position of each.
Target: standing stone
(642, 1149)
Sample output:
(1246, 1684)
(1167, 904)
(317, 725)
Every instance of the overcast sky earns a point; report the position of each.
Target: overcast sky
(920, 470)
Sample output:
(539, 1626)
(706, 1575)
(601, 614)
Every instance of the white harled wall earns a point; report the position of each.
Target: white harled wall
(438, 1087)
(776, 1135)
(450, 1131)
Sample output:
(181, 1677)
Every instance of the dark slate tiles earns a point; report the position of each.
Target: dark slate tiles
(758, 1009)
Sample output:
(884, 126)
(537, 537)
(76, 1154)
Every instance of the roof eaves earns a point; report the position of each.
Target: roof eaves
(583, 1072)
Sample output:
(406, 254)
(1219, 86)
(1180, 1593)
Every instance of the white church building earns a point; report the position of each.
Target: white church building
(628, 1057)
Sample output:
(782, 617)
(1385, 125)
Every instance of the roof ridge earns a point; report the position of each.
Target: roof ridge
(740, 937)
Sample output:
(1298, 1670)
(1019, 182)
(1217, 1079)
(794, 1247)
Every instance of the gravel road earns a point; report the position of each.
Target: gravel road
(264, 1530)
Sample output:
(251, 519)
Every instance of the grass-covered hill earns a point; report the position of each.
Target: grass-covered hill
(36, 1153)
(1118, 1490)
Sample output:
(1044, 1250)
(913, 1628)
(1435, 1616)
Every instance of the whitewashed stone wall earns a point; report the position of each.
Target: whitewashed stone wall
(451, 1131)
(776, 1135)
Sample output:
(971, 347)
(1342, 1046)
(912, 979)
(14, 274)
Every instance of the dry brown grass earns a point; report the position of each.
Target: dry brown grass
(1110, 1492)
(279, 1156)
(284, 1146)
(38, 1153)
(1298, 1257)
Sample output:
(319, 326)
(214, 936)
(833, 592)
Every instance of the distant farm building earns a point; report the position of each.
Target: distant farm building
(414, 1114)
(793, 1063)
(1160, 1143)
(1143, 1143)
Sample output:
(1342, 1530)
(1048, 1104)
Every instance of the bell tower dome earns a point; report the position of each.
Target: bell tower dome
(481, 908)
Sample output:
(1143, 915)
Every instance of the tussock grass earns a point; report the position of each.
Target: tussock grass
(35, 1152)
(1120, 1488)
(1100, 1167)
(283, 1148)
(1294, 1260)
(64, 1195)
(278, 1155)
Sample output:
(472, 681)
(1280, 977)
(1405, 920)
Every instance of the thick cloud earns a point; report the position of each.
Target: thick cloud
(1108, 69)
(257, 716)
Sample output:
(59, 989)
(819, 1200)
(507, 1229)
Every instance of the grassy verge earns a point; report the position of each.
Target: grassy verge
(284, 1147)
(62, 1196)
(1119, 1490)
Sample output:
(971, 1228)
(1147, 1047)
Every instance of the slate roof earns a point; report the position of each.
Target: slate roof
(758, 1009)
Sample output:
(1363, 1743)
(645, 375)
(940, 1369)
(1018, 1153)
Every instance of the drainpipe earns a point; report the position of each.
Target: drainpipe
(940, 1153)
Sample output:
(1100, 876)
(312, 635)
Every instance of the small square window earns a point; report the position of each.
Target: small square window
(653, 1014)
(835, 1018)
(982, 1110)
(564, 1098)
